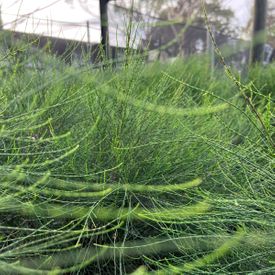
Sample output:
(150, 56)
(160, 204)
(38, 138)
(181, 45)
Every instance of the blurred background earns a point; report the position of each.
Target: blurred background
(80, 30)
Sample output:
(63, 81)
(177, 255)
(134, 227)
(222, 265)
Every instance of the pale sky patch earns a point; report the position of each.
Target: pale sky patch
(67, 18)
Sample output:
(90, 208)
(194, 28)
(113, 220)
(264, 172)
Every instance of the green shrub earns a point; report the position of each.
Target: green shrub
(155, 168)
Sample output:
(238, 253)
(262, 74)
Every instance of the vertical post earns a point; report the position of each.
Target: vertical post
(259, 32)
(104, 26)
(89, 47)
(88, 32)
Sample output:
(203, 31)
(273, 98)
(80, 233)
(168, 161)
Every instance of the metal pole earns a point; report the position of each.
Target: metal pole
(89, 47)
(88, 32)
(259, 31)
(104, 26)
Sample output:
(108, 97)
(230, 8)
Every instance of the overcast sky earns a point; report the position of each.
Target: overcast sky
(242, 10)
(52, 17)
(67, 18)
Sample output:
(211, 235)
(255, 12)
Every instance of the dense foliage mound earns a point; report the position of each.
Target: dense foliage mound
(154, 168)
